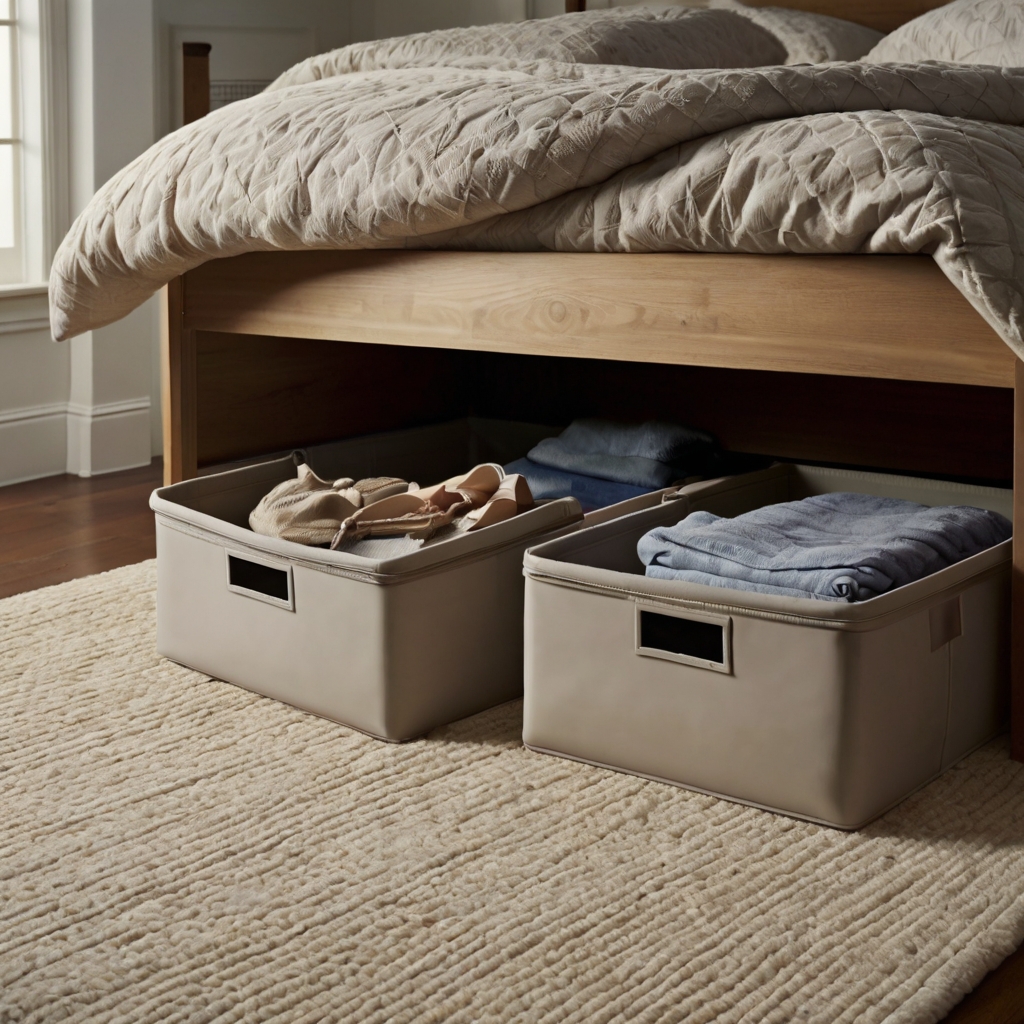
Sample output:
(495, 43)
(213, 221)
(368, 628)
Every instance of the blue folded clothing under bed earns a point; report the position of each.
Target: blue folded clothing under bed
(591, 492)
(601, 462)
(836, 547)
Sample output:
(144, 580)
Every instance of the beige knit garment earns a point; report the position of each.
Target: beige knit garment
(177, 849)
(308, 510)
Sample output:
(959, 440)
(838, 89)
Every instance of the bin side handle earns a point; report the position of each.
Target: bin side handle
(688, 638)
(261, 579)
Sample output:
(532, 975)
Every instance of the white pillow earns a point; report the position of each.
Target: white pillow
(965, 32)
(808, 38)
(812, 38)
(667, 36)
(635, 33)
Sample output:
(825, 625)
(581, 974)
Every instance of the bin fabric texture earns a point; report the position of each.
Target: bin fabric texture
(834, 547)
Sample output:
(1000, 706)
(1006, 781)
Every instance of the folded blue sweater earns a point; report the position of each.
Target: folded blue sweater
(590, 492)
(837, 547)
(648, 455)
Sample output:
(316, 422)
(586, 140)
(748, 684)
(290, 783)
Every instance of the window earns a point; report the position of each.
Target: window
(11, 227)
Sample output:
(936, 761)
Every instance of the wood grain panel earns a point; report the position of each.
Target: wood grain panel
(195, 81)
(863, 316)
(941, 429)
(258, 395)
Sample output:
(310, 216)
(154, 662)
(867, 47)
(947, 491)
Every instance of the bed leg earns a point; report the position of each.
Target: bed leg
(178, 386)
(1017, 574)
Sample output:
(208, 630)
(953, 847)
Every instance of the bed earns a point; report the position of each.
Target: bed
(267, 350)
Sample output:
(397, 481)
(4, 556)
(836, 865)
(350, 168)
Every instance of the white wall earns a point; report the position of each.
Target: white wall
(400, 17)
(34, 373)
(34, 380)
(112, 121)
(250, 38)
(92, 405)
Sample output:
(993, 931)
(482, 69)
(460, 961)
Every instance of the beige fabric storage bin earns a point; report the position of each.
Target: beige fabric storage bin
(393, 647)
(824, 710)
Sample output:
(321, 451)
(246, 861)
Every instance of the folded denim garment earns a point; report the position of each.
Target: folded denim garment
(835, 547)
(589, 491)
(649, 455)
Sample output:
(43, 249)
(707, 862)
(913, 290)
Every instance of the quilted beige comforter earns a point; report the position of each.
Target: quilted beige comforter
(468, 141)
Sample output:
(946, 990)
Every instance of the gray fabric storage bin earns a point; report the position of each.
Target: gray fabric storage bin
(393, 647)
(828, 711)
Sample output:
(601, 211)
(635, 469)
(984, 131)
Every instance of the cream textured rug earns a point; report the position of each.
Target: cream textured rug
(177, 849)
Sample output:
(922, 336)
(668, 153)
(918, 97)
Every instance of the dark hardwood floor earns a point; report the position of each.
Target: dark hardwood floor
(999, 999)
(64, 527)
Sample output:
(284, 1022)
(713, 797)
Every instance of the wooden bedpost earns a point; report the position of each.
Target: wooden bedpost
(178, 345)
(178, 387)
(575, 6)
(1017, 575)
(195, 81)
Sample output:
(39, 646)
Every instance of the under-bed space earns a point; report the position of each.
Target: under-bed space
(257, 394)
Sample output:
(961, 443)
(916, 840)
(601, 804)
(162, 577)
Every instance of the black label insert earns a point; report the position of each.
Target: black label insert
(691, 637)
(263, 579)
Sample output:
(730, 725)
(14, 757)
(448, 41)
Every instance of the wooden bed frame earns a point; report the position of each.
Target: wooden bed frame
(873, 361)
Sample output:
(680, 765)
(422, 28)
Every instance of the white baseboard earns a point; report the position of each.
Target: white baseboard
(33, 443)
(66, 437)
(108, 437)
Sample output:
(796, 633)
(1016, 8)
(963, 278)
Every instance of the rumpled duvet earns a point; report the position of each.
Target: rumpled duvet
(448, 147)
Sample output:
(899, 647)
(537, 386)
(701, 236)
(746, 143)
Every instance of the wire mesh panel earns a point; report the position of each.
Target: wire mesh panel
(225, 92)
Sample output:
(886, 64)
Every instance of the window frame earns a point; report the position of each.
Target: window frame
(12, 258)
(43, 196)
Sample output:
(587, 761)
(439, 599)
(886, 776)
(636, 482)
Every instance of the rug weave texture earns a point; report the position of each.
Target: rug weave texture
(177, 849)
